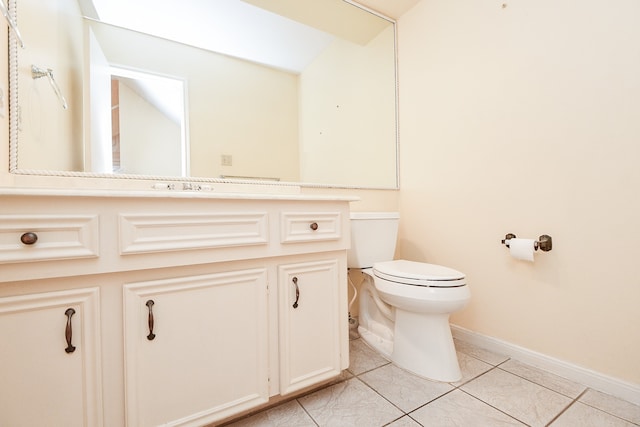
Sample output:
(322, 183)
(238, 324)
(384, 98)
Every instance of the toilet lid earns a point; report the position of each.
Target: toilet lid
(418, 273)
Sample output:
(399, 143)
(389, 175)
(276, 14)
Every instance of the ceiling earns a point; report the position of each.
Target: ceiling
(285, 34)
(392, 8)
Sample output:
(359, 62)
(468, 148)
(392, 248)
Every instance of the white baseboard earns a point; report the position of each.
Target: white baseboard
(600, 382)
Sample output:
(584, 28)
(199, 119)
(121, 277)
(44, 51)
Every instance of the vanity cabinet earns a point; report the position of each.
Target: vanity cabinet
(188, 309)
(309, 329)
(196, 347)
(50, 370)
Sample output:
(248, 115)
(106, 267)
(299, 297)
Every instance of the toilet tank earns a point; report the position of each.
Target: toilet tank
(373, 238)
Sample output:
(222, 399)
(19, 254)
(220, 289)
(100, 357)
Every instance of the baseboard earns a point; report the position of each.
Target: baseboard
(606, 384)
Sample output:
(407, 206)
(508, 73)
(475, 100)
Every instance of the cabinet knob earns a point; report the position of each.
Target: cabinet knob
(29, 238)
(313, 226)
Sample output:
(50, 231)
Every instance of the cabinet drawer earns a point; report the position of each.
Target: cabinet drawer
(310, 226)
(144, 233)
(56, 237)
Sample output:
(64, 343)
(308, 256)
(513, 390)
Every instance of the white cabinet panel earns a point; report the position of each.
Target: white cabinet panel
(208, 355)
(45, 379)
(142, 233)
(57, 237)
(298, 227)
(309, 323)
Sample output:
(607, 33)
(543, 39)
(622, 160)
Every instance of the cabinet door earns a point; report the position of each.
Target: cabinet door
(50, 359)
(309, 330)
(196, 347)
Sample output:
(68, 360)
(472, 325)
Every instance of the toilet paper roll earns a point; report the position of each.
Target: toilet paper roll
(522, 249)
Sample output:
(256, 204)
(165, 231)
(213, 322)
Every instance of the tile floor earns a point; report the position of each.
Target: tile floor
(494, 391)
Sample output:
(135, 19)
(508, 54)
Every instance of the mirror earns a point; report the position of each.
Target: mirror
(251, 90)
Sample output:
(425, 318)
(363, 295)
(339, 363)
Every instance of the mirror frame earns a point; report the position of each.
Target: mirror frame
(13, 132)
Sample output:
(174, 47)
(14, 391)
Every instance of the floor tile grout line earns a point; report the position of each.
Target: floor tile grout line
(369, 370)
(477, 376)
(573, 400)
(490, 405)
(310, 392)
(379, 394)
(458, 387)
(307, 412)
(553, 420)
(507, 358)
(545, 386)
(586, 388)
(430, 402)
(532, 382)
(367, 385)
(405, 413)
(442, 395)
(398, 419)
(601, 409)
(497, 365)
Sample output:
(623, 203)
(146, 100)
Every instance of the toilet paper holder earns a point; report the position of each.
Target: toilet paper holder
(544, 242)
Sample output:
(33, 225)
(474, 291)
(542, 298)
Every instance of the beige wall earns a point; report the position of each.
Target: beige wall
(151, 143)
(347, 114)
(51, 137)
(368, 200)
(526, 119)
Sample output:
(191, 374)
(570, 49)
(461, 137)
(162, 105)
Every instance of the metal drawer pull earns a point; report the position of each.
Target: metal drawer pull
(313, 226)
(295, 282)
(29, 238)
(151, 335)
(68, 332)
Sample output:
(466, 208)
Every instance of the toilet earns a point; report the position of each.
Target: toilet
(404, 306)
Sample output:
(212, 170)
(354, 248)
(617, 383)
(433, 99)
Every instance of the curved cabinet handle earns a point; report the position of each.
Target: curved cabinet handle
(68, 332)
(295, 282)
(29, 238)
(151, 335)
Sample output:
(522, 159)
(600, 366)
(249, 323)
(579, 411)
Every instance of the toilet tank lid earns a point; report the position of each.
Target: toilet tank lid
(375, 215)
(417, 270)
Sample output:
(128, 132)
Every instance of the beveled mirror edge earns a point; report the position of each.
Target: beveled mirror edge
(13, 132)
(13, 90)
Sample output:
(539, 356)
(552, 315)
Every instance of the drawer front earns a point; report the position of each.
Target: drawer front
(52, 237)
(299, 227)
(145, 233)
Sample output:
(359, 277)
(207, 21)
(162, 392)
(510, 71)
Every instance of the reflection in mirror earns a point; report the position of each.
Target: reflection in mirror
(322, 113)
(147, 121)
(52, 136)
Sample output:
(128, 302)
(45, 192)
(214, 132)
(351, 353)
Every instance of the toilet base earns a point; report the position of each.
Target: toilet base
(424, 346)
(379, 344)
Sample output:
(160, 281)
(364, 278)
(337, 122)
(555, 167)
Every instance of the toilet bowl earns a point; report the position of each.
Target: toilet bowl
(404, 306)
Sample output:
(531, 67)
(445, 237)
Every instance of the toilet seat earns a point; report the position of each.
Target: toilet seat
(419, 274)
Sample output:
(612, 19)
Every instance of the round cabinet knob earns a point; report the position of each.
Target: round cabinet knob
(29, 238)
(313, 226)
